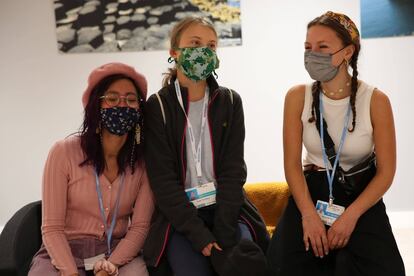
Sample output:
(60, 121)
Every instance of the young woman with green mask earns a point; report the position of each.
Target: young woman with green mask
(335, 222)
(194, 152)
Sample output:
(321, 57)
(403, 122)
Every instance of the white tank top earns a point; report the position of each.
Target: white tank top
(358, 145)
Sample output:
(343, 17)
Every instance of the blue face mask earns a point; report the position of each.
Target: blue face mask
(119, 120)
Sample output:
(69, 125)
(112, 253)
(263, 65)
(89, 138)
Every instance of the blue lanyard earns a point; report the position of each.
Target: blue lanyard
(330, 176)
(109, 231)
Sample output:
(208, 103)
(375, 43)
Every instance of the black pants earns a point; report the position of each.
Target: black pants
(371, 249)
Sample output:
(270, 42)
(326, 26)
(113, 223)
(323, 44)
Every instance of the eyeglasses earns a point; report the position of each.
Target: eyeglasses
(114, 99)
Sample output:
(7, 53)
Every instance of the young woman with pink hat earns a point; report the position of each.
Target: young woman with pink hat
(96, 200)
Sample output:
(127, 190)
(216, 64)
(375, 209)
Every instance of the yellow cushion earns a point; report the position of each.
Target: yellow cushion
(270, 198)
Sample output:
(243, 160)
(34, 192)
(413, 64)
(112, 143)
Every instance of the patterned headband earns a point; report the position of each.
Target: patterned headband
(346, 22)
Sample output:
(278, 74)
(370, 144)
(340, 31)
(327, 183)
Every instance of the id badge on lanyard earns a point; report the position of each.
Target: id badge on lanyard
(196, 150)
(328, 211)
(205, 193)
(202, 195)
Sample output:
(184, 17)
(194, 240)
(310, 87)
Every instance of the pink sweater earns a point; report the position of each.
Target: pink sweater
(71, 210)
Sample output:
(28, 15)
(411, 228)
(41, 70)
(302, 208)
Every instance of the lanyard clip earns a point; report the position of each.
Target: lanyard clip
(331, 199)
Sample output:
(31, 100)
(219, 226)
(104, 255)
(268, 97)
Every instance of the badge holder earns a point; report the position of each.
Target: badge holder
(202, 195)
(328, 213)
(90, 262)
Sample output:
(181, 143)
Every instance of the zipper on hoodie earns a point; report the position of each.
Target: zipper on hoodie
(164, 245)
(211, 134)
(184, 167)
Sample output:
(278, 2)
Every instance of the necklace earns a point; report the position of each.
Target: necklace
(340, 90)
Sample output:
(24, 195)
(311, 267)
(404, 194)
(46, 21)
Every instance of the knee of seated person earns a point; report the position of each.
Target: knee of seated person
(343, 258)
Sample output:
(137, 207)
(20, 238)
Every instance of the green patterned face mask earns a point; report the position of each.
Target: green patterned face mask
(197, 63)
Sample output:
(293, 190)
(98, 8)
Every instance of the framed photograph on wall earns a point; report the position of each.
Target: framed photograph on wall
(84, 26)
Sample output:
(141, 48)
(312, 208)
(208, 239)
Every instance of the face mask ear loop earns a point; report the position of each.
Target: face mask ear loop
(346, 61)
(215, 74)
(339, 50)
(171, 60)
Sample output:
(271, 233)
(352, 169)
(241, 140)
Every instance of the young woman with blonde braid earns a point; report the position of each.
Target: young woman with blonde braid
(194, 155)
